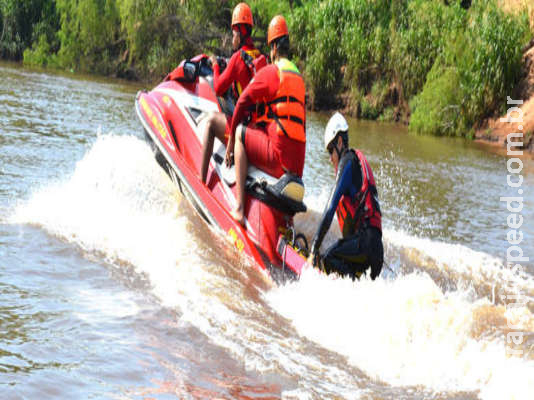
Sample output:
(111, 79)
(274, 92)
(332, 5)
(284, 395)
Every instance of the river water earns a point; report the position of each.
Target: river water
(112, 287)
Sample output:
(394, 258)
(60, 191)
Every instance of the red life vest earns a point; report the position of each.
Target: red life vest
(287, 108)
(353, 212)
(254, 61)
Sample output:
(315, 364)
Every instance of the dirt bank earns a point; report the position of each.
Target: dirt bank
(494, 131)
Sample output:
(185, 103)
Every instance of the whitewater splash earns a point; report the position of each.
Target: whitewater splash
(404, 331)
(117, 203)
(410, 331)
(462, 265)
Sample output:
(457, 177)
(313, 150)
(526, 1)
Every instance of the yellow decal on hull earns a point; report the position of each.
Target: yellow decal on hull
(235, 240)
(152, 118)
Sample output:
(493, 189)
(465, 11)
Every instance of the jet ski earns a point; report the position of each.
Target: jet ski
(173, 115)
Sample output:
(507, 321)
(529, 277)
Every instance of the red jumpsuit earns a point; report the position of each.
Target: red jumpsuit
(236, 73)
(264, 146)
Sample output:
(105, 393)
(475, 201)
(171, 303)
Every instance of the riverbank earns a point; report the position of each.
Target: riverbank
(443, 68)
(495, 131)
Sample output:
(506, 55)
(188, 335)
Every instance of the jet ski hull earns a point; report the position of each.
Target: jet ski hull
(173, 116)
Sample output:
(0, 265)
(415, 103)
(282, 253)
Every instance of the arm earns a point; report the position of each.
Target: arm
(264, 86)
(221, 83)
(343, 186)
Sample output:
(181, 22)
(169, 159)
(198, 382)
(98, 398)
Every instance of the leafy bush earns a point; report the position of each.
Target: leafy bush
(89, 28)
(482, 64)
(353, 44)
(151, 28)
(366, 41)
(40, 53)
(344, 43)
(17, 21)
(321, 39)
(264, 10)
(490, 63)
(437, 109)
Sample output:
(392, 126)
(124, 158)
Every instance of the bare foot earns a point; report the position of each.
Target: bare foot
(238, 216)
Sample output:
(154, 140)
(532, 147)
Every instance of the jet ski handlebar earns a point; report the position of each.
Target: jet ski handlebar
(189, 70)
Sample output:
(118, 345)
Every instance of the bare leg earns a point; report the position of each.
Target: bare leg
(241, 167)
(214, 127)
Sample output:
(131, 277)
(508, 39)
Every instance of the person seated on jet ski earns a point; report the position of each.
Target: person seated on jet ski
(275, 140)
(355, 200)
(241, 68)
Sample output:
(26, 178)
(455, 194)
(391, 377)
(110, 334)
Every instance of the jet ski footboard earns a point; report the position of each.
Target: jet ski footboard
(285, 195)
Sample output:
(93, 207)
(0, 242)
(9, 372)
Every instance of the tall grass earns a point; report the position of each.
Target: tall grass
(445, 64)
(450, 63)
(484, 60)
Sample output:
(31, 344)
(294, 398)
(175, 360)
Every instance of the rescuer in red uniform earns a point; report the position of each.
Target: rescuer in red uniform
(274, 138)
(241, 68)
(355, 201)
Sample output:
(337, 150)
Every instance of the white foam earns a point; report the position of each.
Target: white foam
(98, 305)
(478, 266)
(119, 203)
(308, 222)
(404, 331)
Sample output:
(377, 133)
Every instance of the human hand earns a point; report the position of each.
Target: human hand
(229, 156)
(310, 260)
(213, 61)
(314, 257)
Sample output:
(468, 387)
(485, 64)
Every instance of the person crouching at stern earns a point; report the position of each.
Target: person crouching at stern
(355, 200)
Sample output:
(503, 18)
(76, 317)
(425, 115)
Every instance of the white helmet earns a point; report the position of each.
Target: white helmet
(337, 124)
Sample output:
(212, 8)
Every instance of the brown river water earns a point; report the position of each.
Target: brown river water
(112, 287)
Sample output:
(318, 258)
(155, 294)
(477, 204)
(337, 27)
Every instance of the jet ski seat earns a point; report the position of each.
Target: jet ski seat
(285, 194)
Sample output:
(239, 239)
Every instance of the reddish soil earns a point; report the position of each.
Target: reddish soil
(495, 131)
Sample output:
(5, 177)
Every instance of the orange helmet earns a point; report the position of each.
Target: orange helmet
(277, 29)
(242, 15)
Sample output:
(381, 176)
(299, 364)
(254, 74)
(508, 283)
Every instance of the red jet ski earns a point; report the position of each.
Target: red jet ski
(172, 115)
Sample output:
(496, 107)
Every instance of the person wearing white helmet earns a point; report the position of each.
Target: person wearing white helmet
(354, 199)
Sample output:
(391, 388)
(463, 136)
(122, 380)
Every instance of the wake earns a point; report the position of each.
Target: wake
(437, 321)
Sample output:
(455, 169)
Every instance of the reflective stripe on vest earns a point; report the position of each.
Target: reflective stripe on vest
(352, 212)
(287, 108)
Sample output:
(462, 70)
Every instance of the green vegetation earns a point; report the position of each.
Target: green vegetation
(444, 65)
(23, 22)
(473, 74)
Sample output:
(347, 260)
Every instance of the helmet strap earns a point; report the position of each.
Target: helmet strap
(243, 34)
(338, 151)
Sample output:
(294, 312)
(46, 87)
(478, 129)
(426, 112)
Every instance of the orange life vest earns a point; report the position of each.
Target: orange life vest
(287, 108)
(353, 212)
